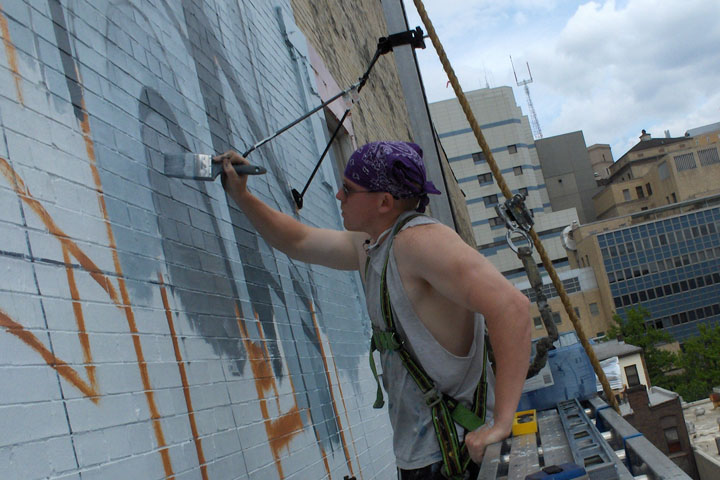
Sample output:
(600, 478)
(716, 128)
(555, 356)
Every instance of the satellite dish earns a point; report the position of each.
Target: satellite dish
(567, 238)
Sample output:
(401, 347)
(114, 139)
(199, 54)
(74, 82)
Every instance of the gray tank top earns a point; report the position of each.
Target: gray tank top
(414, 440)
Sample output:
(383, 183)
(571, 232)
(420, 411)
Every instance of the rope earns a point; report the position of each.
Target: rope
(508, 194)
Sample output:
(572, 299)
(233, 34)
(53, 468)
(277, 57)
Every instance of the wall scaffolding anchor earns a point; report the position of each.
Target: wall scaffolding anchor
(414, 38)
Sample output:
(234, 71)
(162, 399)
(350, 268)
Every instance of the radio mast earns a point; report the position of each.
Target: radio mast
(534, 124)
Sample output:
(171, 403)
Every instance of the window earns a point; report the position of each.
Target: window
(594, 310)
(674, 198)
(632, 376)
(478, 157)
(577, 312)
(496, 221)
(648, 188)
(685, 162)
(538, 323)
(673, 439)
(708, 157)
(523, 191)
(663, 172)
(490, 200)
(517, 171)
(640, 192)
(512, 149)
(556, 318)
(626, 195)
(485, 178)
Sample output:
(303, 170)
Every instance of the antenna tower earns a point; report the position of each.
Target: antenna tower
(534, 124)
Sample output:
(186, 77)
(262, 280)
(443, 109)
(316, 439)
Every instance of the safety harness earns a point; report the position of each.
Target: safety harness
(445, 410)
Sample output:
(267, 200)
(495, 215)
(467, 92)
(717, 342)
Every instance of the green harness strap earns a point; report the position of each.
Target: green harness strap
(445, 410)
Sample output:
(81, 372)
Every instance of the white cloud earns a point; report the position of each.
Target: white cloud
(605, 67)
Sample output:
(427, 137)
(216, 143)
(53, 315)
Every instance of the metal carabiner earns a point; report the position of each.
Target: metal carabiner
(522, 233)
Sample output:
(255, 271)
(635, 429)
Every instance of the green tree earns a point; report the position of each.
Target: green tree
(701, 361)
(636, 332)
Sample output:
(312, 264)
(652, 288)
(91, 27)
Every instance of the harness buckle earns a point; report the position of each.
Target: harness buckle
(432, 397)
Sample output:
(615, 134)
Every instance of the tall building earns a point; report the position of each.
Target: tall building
(661, 171)
(668, 265)
(508, 133)
(568, 173)
(601, 160)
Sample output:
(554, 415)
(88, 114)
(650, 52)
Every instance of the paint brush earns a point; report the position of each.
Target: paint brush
(199, 166)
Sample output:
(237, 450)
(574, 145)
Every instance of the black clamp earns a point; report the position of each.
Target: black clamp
(385, 45)
(515, 213)
(415, 38)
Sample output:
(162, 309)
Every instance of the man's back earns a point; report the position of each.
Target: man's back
(455, 374)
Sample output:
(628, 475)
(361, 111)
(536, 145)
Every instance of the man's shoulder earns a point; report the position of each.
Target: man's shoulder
(425, 237)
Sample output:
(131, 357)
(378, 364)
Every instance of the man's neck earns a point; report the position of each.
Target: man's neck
(381, 226)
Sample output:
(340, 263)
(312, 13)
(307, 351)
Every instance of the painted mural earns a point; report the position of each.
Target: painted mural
(145, 329)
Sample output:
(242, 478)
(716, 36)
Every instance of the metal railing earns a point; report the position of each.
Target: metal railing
(642, 458)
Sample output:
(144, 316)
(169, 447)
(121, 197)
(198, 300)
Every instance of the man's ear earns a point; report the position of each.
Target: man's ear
(387, 203)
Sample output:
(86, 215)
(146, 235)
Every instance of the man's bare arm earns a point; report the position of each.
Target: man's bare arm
(332, 248)
(457, 271)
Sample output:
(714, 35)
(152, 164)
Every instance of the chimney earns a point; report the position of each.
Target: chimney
(645, 136)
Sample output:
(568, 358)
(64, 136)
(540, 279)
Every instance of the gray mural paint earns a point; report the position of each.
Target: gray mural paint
(212, 316)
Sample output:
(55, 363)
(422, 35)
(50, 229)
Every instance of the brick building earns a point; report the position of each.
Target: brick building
(146, 331)
(658, 415)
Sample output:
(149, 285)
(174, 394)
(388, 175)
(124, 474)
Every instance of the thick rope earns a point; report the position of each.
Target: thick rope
(508, 194)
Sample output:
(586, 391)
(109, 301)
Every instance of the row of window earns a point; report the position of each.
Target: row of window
(655, 241)
(663, 265)
(660, 226)
(638, 191)
(479, 157)
(485, 178)
(686, 161)
(558, 320)
(685, 317)
(665, 290)
(491, 200)
(571, 285)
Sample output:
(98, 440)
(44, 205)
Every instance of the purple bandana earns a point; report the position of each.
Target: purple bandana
(393, 167)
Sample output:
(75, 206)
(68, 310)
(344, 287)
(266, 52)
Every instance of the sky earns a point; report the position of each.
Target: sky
(609, 68)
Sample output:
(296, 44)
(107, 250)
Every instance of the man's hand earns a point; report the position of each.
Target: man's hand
(233, 183)
(479, 439)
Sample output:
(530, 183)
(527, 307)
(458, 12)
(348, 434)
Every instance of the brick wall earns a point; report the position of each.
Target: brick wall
(346, 36)
(146, 331)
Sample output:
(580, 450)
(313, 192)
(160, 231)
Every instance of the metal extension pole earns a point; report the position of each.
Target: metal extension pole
(298, 196)
(385, 45)
(300, 119)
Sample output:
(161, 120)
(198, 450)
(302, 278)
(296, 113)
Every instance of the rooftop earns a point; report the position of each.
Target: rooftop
(614, 348)
(656, 396)
(704, 419)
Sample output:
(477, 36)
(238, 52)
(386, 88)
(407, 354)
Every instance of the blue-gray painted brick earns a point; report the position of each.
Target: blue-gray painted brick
(25, 464)
(30, 422)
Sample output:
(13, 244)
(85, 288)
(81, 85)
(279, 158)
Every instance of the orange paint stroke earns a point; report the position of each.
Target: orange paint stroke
(330, 388)
(80, 321)
(281, 430)
(124, 301)
(65, 370)
(319, 444)
(24, 193)
(126, 306)
(11, 55)
(183, 377)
